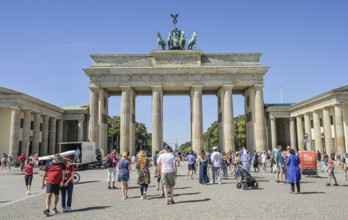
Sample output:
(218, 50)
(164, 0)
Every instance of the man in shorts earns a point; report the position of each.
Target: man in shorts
(279, 166)
(191, 161)
(168, 174)
(55, 177)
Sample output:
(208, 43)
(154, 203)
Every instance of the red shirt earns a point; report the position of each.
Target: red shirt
(29, 169)
(67, 173)
(54, 173)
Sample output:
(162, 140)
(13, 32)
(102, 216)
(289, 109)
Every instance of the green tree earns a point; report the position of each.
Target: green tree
(185, 147)
(142, 137)
(211, 136)
(239, 132)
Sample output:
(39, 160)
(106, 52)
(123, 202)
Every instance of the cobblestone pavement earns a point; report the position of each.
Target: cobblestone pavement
(92, 199)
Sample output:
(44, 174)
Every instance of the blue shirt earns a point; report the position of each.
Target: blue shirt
(191, 159)
(278, 157)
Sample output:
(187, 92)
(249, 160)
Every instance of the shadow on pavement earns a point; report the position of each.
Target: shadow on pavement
(86, 182)
(181, 194)
(5, 201)
(190, 201)
(312, 193)
(182, 187)
(90, 208)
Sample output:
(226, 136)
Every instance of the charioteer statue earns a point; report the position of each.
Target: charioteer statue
(176, 38)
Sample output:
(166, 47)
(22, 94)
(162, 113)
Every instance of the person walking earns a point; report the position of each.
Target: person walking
(55, 177)
(246, 161)
(191, 161)
(155, 163)
(331, 172)
(294, 172)
(123, 175)
(68, 185)
(28, 176)
(142, 166)
(203, 169)
(112, 169)
(345, 166)
(169, 171)
(216, 158)
(4, 161)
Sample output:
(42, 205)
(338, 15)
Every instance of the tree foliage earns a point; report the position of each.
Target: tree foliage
(142, 137)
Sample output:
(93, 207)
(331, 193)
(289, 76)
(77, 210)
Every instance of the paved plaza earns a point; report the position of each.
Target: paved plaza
(92, 199)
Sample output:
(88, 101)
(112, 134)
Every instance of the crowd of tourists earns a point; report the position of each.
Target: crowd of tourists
(211, 166)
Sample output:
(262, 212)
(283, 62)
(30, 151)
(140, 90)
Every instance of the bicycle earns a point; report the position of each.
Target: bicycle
(76, 177)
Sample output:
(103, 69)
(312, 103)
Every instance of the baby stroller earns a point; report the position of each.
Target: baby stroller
(247, 182)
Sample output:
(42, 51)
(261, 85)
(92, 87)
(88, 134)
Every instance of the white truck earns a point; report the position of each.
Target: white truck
(87, 153)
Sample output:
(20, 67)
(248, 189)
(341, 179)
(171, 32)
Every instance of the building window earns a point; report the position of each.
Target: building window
(321, 122)
(31, 125)
(331, 120)
(40, 126)
(248, 101)
(22, 122)
(104, 103)
(312, 124)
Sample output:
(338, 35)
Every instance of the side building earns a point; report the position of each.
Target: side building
(31, 125)
(319, 123)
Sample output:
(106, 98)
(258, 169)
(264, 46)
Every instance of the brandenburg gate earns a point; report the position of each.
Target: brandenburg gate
(177, 72)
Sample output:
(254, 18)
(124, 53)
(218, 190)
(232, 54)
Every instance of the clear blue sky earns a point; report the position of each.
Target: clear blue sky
(44, 45)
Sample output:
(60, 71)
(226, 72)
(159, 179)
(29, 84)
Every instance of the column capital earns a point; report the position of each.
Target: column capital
(94, 89)
(157, 88)
(227, 87)
(45, 117)
(196, 87)
(259, 86)
(37, 114)
(15, 108)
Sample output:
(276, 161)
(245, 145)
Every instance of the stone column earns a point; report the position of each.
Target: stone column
(60, 131)
(93, 126)
(197, 123)
(308, 129)
(260, 127)
(292, 133)
(80, 130)
(273, 132)
(44, 143)
(53, 130)
(157, 118)
(339, 136)
(132, 124)
(317, 132)
(327, 131)
(227, 118)
(26, 131)
(14, 132)
(300, 134)
(36, 133)
(125, 118)
(103, 119)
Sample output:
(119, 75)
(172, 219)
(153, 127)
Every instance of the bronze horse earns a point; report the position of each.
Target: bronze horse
(160, 41)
